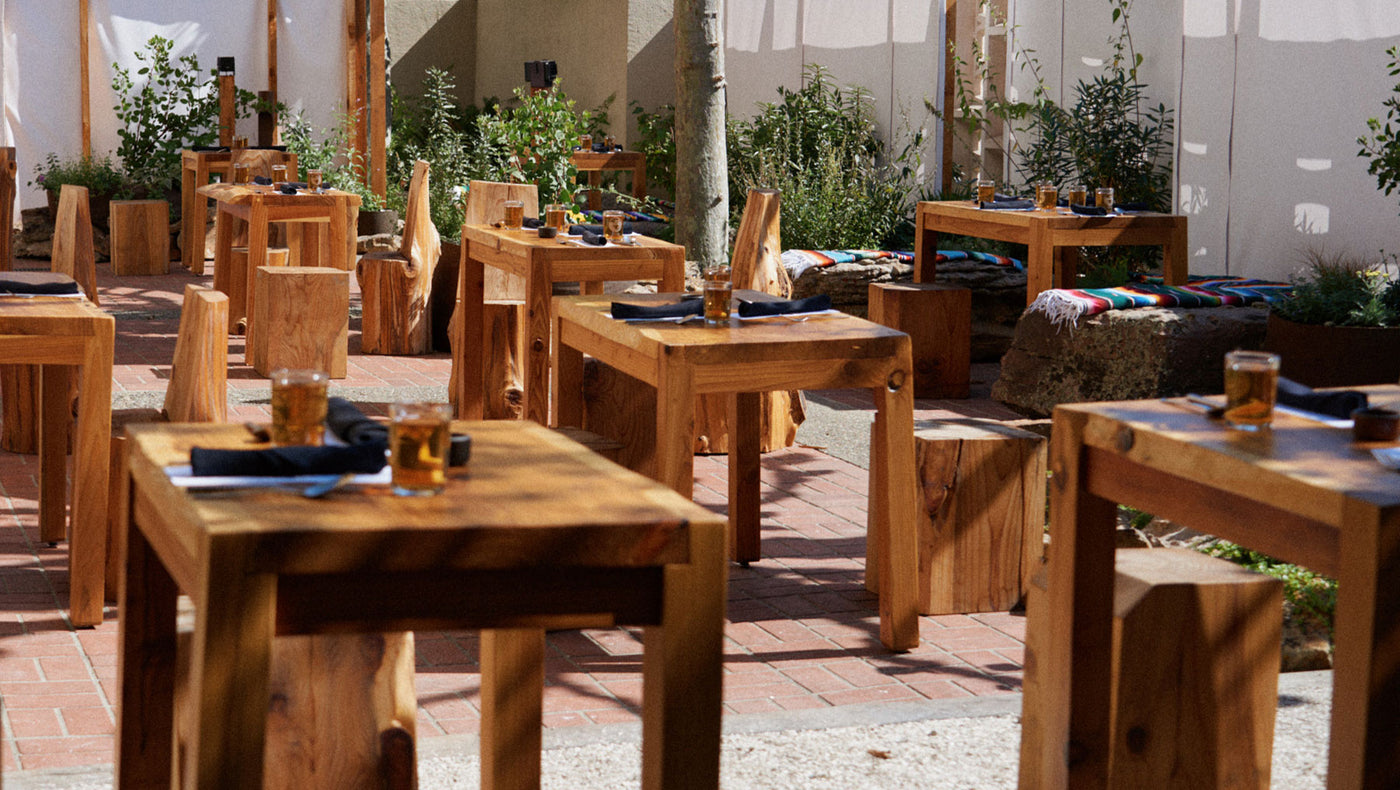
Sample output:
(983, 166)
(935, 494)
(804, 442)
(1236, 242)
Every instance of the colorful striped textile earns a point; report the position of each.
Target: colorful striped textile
(1066, 306)
(631, 216)
(798, 261)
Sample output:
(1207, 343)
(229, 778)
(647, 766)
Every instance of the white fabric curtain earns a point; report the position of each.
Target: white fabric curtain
(40, 88)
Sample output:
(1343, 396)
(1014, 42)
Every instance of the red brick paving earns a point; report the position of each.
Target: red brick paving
(802, 632)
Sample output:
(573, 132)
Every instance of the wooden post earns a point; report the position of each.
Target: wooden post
(227, 96)
(8, 168)
(356, 53)
(378, 97)
(271, 50)
(84, 99)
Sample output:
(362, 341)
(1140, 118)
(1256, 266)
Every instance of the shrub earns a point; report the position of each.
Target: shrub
(533, 142)
(330, 153)
(1383, 146)
(97, 173)
(431, 127)
(1341, 290)
(656, 138)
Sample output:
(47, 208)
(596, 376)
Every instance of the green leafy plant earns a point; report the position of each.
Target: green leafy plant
(431, 127)
(330, 153)
(98, 173)
(169, 108)
(533, 142)
(1338, 289)
(1311, 595)
(656, 138)
(1382, 147)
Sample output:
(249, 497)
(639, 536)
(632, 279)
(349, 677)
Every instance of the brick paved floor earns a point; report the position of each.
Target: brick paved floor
(802, 631)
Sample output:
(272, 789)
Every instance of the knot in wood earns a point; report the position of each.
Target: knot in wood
(537, 344)
(1125, 439)
(896, 381)
(1136, 739)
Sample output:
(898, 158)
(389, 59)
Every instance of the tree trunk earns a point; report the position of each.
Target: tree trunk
(702, 173)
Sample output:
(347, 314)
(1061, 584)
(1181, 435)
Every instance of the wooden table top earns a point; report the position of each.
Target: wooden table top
(529, 496)
(245, 193)
(48, 314)
(521, 242)
(607, 160)
(1060, 218)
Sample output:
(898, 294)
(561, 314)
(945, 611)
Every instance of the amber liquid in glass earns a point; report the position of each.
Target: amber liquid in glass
(313, 180)
(1250, 391)
(556, 218)
(298, 412)
(515, 216)
(418, 454)
(1046, 196)
(612, 225)
(986, 192)
(1078, 196)
(718, 294)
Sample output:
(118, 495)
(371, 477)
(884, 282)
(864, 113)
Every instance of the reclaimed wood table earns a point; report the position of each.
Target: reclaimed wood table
(537, 532)
(1052, 238)
(742, 360)
(62, 335)
(196, 168)
(541, 263)
(595, 162)
(1303, 492)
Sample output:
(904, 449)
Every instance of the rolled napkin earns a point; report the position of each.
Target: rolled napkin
(577, 230)
(1089, 211)
(681, 309)
(287, 189)
(40, 283)
(262, 181)
(596, 239)
(1337, 403)
(811, 304)
(288, 461)
(1134, 206)
(1008, 205)
(531, 222)
(345, 420)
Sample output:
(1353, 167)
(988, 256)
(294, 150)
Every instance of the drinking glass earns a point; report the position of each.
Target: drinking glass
(515, 214)
(986, 190)
(298, 406)
(609, 142)
(242, 173)
(1251, 387)
(419, 437)
(279, 175)
(556, 215)
(1103, 196)
(719, 290)
(612, 225)
(1046, 196)
(585, 142)
(1078, 195)
(313, 180)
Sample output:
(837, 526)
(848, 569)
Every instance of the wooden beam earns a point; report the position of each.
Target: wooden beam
(950, 25)
(378, 98)
(356, 55)
(272, 48)
(86, 109)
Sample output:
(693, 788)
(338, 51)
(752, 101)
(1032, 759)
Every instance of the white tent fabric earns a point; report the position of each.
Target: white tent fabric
(40, 90)
(1270, 96)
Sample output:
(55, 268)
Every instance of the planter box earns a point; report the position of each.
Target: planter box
(1334, 356)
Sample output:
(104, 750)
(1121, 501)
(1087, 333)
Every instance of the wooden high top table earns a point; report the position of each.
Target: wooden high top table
(258, 206)
(541, 263)
(1303, 492)
(742, 360)
(537, 532)
(195, 169)
(1052, 238)
(62, 335)
(595, 162)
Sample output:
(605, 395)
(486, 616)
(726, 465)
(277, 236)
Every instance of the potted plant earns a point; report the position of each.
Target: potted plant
(103, 179)
(1342, 325)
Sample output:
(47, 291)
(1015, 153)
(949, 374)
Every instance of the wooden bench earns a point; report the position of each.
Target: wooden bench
(1195, 660)
(301, 319)
(938, 320)
(981, 520)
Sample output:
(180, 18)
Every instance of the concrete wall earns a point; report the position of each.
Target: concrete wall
(428, 33)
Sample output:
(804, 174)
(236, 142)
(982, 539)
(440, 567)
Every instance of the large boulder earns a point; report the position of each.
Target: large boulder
(1146, 352)
(998, 294)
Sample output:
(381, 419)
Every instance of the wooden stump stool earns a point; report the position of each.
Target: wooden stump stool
(1195, 660)
(982, 520)
(237, 282)
(301, 319)
(397, 316)
(140, 236)
(938, 320)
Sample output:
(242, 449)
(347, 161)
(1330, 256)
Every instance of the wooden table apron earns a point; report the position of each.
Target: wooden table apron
(1052, 238)
(1303, 492)
(541, 263)
(195, 169)
(61, 335)
(744, 359)
(537, 532)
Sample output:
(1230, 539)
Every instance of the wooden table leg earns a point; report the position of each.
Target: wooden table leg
(592, 288)
(568, 382)
(471, 334)
(1074, 703)
(229, 670)
(92, 452)
(1066, 267)
(54, 422)
(744, 489)
(672, 271)
(1365, 681)
(145, 666)
(535, 381)
(1175, 263)
(675, 426)
(925, 249)
(897, 489)
(335, 252)
(595, 190)
(639, 180)
(1040, 262)
(682, 670)
(512, 700)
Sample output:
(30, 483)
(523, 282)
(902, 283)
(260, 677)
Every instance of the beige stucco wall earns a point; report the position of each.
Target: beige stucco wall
(426, 33)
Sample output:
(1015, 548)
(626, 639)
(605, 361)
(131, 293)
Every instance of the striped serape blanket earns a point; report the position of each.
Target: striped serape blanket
(630, 216)
(798, 261)
(1066, 306)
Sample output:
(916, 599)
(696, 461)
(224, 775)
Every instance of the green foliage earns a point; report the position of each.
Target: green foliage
(533, 142)
(431, 127)
(98, 173)
(820, 147)
(1383, 146)
(1311, 595)
(329, 152)
(656, 138)
(1340, 290)
(165, 108)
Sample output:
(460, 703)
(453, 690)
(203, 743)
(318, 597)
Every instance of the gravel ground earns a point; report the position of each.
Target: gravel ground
(969, 744)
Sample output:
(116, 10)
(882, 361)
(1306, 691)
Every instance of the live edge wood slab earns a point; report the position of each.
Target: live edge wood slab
(537, 532)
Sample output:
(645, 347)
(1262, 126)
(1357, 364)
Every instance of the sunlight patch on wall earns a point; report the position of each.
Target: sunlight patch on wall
(784, 25)
(1311, 218)
(911, 21)
(1199, 149)
(1205, 18)
(1093, 63)
(1314, 165)
(1192, 199)
(1306, 20)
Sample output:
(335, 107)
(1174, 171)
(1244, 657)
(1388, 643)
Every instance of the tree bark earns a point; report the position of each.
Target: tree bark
(702, 172)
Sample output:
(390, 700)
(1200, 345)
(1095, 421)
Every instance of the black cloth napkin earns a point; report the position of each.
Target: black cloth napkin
(685, 307)
(288, 461)
(1133, 206)
(578, 230)
(262, 181)
(1008, 204)
(287, 189)
(344, 419)
(811, 304)
(531, 222)
(1338, 403)
(49, 283)
(1089, 211)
